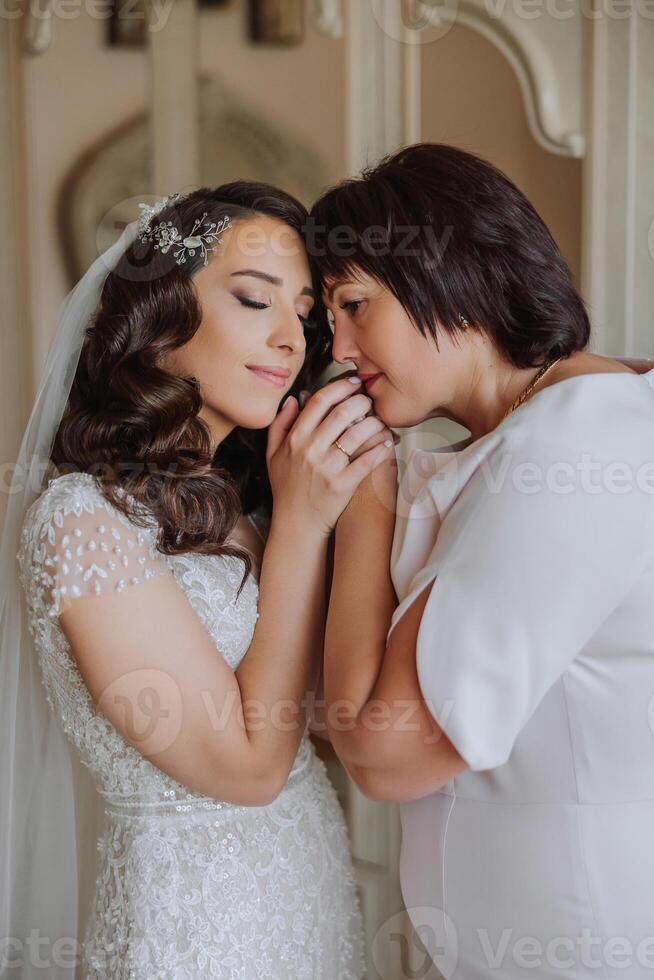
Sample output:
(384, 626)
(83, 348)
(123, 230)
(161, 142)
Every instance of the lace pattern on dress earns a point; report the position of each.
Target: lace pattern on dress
(188, 886)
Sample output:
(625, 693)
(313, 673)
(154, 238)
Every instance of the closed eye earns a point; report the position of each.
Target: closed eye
(252, 304)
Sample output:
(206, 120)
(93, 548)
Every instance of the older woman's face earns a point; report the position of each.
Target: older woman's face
(411, 378)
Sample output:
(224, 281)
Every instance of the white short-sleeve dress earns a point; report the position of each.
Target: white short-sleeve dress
(535, 654)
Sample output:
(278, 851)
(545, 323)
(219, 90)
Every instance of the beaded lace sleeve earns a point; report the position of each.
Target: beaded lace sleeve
(88, 548)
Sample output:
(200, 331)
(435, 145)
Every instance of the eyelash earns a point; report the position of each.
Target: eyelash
(352, 305)
(252, 304)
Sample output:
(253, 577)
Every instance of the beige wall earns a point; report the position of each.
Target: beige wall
(80, 89)
(76, 91)
(471, 98)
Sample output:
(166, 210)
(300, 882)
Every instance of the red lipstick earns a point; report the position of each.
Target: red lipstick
(369, 379)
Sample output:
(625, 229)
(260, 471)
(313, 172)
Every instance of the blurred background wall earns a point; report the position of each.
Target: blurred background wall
(81, 91)
(94, 118)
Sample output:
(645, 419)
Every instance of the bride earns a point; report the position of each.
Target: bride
(173, 578)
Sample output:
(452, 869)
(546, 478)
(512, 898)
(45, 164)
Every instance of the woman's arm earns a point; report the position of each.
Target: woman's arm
(377, 719)
(231, 735)
(152, 668)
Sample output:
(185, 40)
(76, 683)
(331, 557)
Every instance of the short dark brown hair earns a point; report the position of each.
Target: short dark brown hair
(450, 235)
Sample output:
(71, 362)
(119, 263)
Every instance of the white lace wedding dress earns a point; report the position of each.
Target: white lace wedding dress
(188, 887)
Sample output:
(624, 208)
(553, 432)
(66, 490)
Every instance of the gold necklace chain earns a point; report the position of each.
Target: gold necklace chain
(532, 384)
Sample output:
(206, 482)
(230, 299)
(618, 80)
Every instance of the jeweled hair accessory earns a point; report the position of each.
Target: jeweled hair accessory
(149, 211)
(204, 236)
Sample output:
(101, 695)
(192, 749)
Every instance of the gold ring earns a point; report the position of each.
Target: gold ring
(337, 443)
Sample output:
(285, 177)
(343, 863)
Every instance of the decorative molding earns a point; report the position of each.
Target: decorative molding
(383, 81)
(545, 52)
(328, 17)
(15, 368)
(174, 110)
(38, 34)
(384, 42)
(101, 193)
(618, 206)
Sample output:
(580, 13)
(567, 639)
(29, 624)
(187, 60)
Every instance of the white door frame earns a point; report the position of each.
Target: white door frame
(15, 322)
(618, 184)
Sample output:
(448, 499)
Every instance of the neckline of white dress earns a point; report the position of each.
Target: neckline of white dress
(463, 444)
(647, 375)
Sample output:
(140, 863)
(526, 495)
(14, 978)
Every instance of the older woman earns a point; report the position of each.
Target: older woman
(506, 701)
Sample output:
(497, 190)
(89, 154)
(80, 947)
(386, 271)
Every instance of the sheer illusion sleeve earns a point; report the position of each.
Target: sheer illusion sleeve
(86, 547)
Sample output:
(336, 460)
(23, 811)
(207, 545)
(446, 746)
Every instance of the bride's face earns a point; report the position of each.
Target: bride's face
(255, 294)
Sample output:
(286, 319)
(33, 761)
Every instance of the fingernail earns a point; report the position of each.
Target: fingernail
(287, 399)
(302, 399)
(354, 381)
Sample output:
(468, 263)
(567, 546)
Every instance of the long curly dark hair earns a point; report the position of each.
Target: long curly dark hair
(135, 426)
